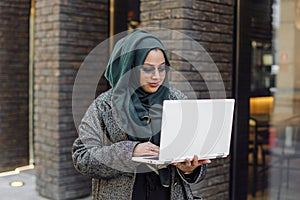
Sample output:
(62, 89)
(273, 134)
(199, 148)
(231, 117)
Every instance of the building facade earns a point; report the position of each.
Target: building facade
(14, 62)
(43, 44)
(62, 34)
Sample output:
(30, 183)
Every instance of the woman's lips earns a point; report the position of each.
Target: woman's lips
(153, 84)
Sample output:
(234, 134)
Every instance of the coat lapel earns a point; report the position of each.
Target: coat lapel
(113, 126)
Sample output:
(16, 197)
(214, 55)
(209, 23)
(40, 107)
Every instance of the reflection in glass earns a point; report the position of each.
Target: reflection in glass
(274, 123)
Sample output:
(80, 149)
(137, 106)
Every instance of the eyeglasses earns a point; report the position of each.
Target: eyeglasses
(150, 70)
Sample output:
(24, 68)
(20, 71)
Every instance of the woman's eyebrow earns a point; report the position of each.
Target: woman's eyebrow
(152, 65)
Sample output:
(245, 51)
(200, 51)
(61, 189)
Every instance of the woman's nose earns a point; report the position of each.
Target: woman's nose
(155, 74)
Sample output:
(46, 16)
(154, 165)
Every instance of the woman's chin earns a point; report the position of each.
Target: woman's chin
(151, 89)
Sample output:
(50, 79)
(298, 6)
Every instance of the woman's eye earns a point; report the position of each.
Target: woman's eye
(162, 69)
(148, 70)
(151, 70)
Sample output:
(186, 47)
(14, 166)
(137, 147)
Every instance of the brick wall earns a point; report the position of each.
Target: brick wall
(211, 24)
(14, 54)
(65, 32)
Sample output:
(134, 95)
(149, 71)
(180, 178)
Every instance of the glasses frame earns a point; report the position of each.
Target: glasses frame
(150, 69)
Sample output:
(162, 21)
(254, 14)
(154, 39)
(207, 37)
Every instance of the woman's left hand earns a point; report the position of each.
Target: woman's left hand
(189, 166)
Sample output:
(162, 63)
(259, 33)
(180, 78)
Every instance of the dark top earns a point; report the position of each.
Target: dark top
(147, 186)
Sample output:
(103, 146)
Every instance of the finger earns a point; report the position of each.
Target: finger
(153, 147)
(187, 162)
(195, 160)
(207, 161)
(149, 149)
(155, 150)
(141, 150)
(150, 153)
(177, 164)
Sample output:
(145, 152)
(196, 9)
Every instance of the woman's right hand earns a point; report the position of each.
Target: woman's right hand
(146, 148)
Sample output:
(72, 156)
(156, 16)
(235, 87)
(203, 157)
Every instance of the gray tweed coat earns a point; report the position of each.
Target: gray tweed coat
(103, 153)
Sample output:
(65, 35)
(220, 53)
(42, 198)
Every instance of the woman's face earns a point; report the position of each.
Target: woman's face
(153, 71)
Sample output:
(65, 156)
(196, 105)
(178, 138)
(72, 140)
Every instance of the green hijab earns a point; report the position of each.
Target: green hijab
(140, 112)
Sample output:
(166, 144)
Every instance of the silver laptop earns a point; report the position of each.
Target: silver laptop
(193, 127)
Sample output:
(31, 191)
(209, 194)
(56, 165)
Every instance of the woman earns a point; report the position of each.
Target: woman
(125, 122)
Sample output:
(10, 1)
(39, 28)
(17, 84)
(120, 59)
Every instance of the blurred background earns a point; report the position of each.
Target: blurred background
(255, 45)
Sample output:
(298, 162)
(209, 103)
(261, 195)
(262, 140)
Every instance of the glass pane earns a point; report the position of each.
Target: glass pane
(274, 124)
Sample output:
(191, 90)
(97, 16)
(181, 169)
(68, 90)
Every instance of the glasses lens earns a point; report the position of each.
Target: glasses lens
(148, 69)
(151, 69)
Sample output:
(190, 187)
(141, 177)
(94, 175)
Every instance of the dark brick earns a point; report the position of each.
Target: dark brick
(66, 31)
(14, 110)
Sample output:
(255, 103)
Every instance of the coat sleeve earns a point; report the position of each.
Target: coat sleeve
(94, 155)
